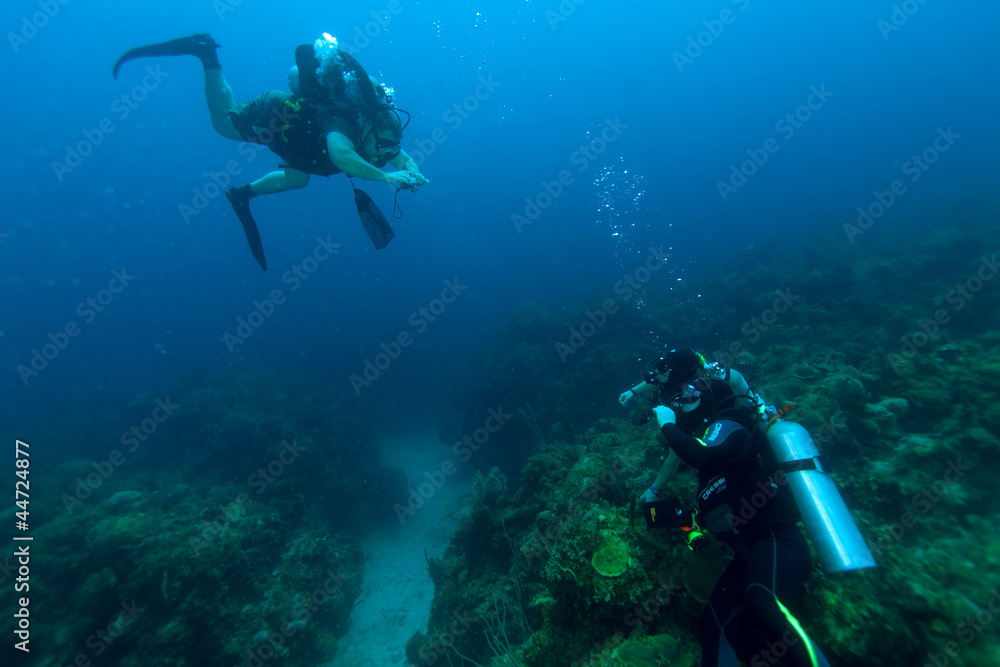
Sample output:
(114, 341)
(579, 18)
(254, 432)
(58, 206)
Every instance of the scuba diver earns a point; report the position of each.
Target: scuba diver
(337, 119)
(714, 423)
(667, 375)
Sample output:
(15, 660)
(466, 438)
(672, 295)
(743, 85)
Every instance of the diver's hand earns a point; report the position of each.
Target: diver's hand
(664, 415)
(648, 497)
(420, 180)
(626, 397)
(402, 179)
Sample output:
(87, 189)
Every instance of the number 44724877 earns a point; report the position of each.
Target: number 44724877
(23, 464)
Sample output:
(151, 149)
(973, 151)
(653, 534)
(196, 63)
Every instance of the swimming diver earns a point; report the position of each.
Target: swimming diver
(337, 119)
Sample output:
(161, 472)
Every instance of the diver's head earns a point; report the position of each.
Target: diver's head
(673, 370)
(698, 400)
(388, 124)
(293, 81)
(381, 135)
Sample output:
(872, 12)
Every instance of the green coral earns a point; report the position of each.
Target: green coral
(653, 652)
(611, 558)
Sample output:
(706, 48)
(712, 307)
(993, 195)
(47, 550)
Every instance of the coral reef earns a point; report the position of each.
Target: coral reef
(898, 389)
(242, 551)
(195, 576)
(228, 533)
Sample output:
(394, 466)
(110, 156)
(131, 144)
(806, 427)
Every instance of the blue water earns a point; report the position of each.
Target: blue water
(559, 74)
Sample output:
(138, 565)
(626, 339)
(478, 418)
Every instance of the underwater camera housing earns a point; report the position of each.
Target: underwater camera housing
(668, 513)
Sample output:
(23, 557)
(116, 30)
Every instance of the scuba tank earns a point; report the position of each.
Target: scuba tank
(838, 541)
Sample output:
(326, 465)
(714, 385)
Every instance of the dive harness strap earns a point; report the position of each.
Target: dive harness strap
(800, 465)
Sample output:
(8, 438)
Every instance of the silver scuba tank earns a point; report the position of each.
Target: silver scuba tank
(825, 515)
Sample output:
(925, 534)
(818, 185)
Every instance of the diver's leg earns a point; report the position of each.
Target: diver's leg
(269, 184)
(218, 94)
(279, 181)
(779, 565)
(276, 181)
(221, 103)
(723, 617)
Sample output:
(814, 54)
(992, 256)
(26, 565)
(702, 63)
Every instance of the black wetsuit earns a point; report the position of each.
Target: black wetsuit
(749, 506)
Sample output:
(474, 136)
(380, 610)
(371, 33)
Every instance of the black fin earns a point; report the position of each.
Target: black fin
(201, 45)
(372, 219)
(241, 204)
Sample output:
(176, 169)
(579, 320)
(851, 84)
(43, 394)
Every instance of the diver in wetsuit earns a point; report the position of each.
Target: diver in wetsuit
(665, 376)
(743, 500)
(337, 119)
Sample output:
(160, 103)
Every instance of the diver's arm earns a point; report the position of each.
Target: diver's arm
(667, 470)
(738, 382)
(641, 389)
(742, 388)
(687, 447)
(345, 157)
(404, 161)
(644, 388)
(695, 453)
